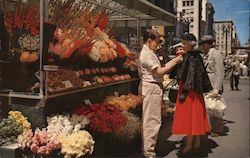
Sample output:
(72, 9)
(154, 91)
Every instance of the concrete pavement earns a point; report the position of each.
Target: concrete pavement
(235, 142)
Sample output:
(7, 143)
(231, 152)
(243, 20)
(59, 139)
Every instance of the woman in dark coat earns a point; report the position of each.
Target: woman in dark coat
(190, 117)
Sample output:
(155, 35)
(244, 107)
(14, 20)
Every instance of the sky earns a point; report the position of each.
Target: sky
(236, 11)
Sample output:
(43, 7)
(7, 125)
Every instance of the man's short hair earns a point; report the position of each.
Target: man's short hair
(150, 34)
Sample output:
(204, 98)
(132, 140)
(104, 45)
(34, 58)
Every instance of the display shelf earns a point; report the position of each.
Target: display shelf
(61, 92)
(77, 90)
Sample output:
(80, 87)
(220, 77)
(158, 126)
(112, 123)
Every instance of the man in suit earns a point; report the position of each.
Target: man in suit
(213, 61)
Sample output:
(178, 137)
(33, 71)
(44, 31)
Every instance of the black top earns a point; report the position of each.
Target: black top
(193, 73)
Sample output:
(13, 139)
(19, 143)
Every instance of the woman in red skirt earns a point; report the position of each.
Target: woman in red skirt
(190, 117)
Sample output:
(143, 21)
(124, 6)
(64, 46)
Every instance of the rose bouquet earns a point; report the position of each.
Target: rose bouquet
(103, 118)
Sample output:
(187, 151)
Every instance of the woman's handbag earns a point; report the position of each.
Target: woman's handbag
(237, 72)
(215, 106)
(173, 91)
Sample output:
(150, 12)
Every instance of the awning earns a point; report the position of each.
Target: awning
(150, 9)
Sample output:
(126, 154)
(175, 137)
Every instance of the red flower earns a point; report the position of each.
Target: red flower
(8, 21)
(103, 118)
(102, 20)
(120, 50)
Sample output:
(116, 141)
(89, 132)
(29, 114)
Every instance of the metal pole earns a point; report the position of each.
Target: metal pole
(41, 47)
(138, 33)
(226, 42)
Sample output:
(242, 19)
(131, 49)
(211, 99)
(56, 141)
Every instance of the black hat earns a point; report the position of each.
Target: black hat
(207, 39)
(188, 36)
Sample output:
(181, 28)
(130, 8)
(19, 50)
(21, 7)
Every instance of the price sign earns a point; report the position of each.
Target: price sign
(116, 94)
(87, 102)
(77, 73)
(67, 84)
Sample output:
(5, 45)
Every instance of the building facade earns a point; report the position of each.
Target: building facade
(190, 10)
(199, 14)
(226, 36)
(210, 19)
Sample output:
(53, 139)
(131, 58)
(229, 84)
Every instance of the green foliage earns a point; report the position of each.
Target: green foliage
(9, 131)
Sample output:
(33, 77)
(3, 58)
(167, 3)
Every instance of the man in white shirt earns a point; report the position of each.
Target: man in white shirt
(151, 74)
(215, 69)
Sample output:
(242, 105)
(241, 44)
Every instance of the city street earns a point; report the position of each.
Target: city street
(235, 142)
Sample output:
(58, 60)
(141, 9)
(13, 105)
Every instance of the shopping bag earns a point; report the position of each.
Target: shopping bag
(215, 106)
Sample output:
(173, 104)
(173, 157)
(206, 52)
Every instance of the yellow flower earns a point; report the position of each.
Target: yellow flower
(20, 119)
(77, 144)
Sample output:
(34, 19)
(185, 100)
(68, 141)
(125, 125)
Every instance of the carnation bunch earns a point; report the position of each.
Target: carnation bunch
(25, 139)
(41, 144)
(132, 127)
(20, 119)
(103, 117)
(77, 144)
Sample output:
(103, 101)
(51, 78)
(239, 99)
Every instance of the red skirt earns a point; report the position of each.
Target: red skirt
(190, 117)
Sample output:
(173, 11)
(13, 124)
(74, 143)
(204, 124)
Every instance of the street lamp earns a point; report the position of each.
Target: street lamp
(225, 30)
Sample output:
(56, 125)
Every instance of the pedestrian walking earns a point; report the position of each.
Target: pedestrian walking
(151, 74)
(190, 117)
(244, 69)
(213, 61)
(236, 71)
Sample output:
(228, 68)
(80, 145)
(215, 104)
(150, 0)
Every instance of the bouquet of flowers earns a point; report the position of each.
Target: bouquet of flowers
(20, 119)
(77, 144)
(29, 42)
(9, 131)
(124, 102)
(60, 133)
(103, 118)
(41, 144)
(24, 17)
(132, 127)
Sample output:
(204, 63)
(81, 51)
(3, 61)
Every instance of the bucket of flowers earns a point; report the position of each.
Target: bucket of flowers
(64, 136)
(105, 121)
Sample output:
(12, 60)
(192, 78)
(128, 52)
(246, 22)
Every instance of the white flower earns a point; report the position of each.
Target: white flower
(29, 42)
(131, 128)
(79, 119)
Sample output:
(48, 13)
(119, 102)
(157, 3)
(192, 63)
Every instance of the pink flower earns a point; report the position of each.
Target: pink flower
(34, 148)
(42, 150)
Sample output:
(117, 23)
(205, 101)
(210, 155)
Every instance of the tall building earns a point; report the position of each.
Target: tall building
(207, 18)
(210, 19)
(199, 13)
(191, 10)
(226, 36)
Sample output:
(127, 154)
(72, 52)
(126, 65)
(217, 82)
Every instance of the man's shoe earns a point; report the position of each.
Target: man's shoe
(214, 134)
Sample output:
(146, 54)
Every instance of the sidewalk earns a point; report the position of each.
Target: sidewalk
(235, 144)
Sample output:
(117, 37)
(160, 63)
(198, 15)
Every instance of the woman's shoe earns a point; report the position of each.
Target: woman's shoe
(185, 154)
